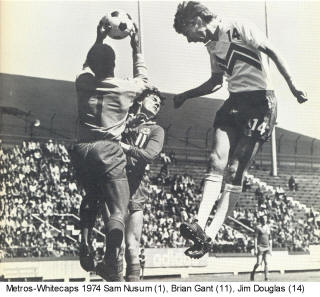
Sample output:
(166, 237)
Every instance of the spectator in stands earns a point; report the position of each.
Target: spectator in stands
(246, 184)
(259, 196)
(293, 186)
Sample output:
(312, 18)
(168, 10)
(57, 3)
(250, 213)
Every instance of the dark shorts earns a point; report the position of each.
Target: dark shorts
(252, 114)
(103, 159)
(139, 192)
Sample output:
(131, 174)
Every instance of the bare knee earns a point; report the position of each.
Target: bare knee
(231, 172)
(217, 163)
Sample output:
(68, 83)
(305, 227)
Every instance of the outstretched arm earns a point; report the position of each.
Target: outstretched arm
(210, 86)
(139, 67)
(283, 69)
(102, 33)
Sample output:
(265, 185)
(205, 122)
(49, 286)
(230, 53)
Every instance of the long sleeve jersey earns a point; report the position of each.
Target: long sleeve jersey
(146, 142)
(103, 104)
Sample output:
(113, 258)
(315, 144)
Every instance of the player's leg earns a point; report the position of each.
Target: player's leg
(266, 256)
(223, 139)
(255, 267)
(133, 235)
(88, 214)
(116, 193)
(241, 157)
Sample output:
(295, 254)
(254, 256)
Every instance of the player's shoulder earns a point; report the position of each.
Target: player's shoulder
(152, 128)
(157, 129)
(242, 25)
(85, 79)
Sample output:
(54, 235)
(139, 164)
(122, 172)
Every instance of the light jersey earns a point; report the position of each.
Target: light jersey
(236, 54)
(263, 235)
(103, 105)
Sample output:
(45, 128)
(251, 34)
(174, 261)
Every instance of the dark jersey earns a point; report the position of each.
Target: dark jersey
(146, 141)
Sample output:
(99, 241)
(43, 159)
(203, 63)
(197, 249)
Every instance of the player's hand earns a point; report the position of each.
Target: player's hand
(300, 95)
(178, 100)
(102, 31)
(125, 147)
(135, 40)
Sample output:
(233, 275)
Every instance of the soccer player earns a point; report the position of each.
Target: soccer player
(239, 52)
(142, 141)
(99, 160)
(262, 247)
(142, 259)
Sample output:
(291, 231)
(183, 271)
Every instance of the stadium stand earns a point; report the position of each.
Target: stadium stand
(39, 202)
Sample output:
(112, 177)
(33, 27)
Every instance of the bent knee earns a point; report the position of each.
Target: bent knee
(217, 163)
(235, 173)
(231, 172)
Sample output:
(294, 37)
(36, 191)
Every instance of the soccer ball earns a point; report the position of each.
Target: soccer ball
(119, 23)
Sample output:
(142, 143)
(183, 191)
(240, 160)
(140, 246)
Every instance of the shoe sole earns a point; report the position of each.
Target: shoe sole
(189, 233)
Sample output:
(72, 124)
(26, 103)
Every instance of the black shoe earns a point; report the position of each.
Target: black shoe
(195, 233)
(86, 256)
(198, 250)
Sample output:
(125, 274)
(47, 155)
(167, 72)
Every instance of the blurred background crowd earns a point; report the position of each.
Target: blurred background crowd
(40, 200)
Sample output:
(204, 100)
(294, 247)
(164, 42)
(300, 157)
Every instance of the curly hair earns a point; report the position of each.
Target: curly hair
(145, 93)
(188, 10)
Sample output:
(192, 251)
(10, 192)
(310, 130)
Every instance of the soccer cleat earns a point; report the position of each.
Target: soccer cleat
(202, 242)
(198, 250)
(86, 256)
(195, 233)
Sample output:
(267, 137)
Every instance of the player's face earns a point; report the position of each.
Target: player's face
(195, 30)
(151, 105)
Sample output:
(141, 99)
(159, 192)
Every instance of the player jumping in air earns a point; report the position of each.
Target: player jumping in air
(262, 247)
(238, 51)
(99, 160)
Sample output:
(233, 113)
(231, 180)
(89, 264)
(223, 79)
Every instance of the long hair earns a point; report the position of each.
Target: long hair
(145, 93)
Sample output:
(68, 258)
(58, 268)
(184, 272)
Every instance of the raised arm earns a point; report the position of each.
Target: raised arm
(139, 67)
(210, 86)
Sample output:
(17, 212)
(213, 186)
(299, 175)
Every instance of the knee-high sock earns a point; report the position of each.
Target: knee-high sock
(211, 191)
(224, 206)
